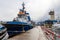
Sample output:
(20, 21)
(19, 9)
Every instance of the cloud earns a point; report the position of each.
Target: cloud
(37, 8)
(56, 7)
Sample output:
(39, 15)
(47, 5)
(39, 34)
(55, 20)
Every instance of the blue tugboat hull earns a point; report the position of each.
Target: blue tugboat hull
(14, 28)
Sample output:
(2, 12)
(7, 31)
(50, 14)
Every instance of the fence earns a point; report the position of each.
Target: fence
(50, 34)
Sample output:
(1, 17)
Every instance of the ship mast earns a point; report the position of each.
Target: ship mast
(23, 5)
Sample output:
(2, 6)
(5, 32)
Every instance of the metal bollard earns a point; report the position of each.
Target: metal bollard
(54, 36)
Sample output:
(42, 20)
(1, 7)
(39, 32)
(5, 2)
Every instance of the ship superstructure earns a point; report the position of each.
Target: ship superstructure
(23, 16)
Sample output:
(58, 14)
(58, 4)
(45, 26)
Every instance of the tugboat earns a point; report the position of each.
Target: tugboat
(19, 24)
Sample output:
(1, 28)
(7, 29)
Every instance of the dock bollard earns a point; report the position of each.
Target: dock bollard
(23, 29)
(54, 36)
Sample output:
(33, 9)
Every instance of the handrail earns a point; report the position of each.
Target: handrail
(50, 33)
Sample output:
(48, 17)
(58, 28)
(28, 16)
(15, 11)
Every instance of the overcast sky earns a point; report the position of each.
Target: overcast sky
(38, 9)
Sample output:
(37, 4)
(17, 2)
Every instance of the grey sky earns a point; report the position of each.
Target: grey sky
(37, 8)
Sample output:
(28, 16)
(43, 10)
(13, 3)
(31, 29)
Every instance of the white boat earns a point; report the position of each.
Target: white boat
(3, 33)
(56, 29)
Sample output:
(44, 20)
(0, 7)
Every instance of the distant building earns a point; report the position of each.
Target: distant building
(52, 16)
(51, 21)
